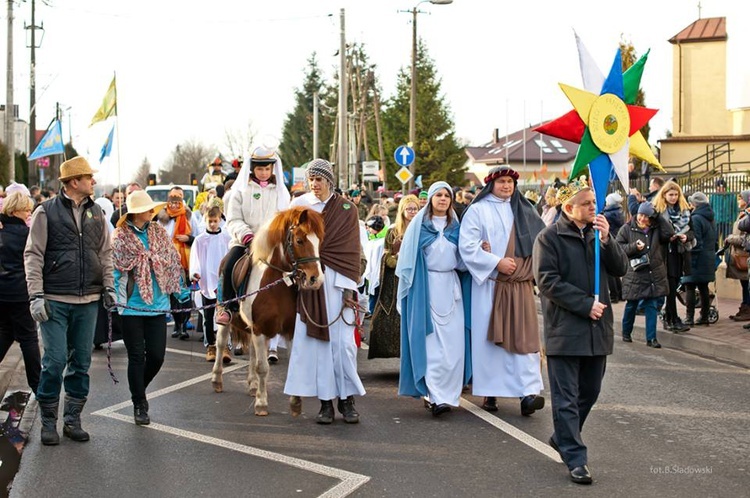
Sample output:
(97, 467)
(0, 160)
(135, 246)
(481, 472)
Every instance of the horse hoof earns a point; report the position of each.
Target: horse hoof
(218, 387)
(295, 405)
(261, 412)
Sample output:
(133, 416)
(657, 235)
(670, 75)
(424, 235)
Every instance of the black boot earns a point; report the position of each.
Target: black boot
(184, 335)
(140, 412)
(72, 419)
(490, 404)
(176, 332)
(705, 310)
(346, 408)
(702, 320)
(326, 413)
(530, 404)
(690, 318)
(679, 326)
(48, 410)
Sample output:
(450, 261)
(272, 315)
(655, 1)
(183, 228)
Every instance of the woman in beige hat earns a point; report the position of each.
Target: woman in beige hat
(147, 271)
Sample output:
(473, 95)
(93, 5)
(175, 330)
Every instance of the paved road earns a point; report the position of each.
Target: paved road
(667, 424)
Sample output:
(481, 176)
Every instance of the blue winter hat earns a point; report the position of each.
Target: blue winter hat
(647, 209)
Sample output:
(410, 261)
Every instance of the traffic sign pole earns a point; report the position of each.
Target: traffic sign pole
(404, 156)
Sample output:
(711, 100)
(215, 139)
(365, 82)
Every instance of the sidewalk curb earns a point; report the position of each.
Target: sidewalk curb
(685, 342)
(715, 350)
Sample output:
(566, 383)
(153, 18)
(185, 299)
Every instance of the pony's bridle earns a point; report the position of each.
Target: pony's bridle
(289, 246)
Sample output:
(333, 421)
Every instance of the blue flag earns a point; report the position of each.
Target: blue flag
(418, 181)
(51, 142)
(107, 147)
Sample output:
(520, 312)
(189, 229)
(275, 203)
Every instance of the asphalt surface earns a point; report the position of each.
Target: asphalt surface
(667, 424)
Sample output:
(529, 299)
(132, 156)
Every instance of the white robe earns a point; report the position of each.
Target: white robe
(446, 345)
(325, 369)
(205, 257)
(496, 371)
(374, 254)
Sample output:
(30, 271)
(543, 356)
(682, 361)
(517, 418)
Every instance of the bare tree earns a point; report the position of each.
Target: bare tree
(189, 157)
(141, 175)
(239, 141)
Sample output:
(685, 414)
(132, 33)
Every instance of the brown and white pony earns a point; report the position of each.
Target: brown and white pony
(286, 247)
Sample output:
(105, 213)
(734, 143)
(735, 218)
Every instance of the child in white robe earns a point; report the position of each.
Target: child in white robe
(208, 249)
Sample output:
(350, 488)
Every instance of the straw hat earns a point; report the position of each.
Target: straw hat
(75, 167)
(140, 202)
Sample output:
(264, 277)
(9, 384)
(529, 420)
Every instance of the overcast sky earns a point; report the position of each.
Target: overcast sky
(188, 72)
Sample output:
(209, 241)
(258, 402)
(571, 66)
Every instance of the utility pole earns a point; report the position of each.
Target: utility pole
(343, 155)
(381, 149)
(413, 95)
(10, 118)
(32, 88)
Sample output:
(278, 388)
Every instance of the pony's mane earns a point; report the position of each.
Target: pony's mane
(273, 233)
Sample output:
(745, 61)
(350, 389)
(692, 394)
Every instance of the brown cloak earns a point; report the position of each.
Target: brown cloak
(340, 251)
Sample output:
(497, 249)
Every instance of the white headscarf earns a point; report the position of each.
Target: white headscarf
(407, 256)
(243, 177)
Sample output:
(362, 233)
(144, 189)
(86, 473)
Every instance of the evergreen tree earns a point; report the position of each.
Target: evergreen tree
(141, 176)
(296, 146)
(4, 164)
(629, 57)
(439, 156)
(22, 168)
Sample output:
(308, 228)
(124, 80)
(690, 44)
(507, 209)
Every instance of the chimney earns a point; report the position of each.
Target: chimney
(495, 136)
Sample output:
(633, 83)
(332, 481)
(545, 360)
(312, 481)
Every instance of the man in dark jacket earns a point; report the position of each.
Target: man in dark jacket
(635, 198)
(68, 262)
(578, 328)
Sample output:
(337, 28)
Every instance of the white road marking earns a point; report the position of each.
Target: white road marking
(350, 481)
(513, 432)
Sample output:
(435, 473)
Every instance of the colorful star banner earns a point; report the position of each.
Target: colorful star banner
(605, 122)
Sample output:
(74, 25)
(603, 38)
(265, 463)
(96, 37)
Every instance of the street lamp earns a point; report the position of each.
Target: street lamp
(413, 93)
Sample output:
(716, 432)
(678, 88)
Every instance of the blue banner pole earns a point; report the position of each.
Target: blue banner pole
(597, 270)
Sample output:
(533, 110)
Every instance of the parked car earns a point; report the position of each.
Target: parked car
(159, 193)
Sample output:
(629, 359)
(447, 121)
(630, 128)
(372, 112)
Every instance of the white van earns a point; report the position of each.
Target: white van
(159, 193)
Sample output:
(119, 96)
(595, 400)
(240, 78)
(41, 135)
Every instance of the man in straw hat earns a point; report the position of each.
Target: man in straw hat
(323, 361)
(68, 263)
(497, 237)
(578, 329)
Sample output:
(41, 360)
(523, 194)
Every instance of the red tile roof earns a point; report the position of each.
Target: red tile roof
(709, 29)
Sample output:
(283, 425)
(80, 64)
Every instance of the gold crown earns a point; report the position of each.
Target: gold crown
(567, 192)
(532, 195)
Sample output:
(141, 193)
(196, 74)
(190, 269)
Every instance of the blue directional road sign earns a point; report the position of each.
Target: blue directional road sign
(404, 155)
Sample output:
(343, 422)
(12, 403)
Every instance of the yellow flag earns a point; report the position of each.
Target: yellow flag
(109, 104)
